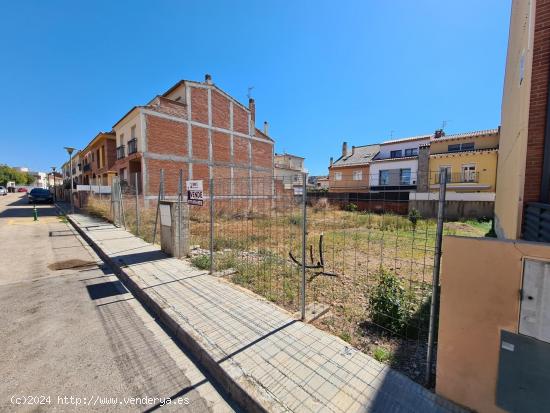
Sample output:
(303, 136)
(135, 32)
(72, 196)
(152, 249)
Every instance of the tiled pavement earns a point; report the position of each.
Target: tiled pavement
(280, 363)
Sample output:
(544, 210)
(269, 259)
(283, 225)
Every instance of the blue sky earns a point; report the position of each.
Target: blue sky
(323, 71)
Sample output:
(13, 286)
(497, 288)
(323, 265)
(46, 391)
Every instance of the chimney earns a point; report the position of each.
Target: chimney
(207, 79)
(252, 108)
(439, 133)
(344, 149)
(353, 150)
(331, 160)
(266, 128)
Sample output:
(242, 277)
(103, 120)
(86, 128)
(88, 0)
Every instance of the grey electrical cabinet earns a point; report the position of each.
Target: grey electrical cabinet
(523, 383)
(534, 318)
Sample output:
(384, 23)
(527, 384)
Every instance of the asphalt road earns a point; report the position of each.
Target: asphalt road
(73, 338)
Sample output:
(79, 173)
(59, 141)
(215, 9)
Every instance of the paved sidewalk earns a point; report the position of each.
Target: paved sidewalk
(263, 356)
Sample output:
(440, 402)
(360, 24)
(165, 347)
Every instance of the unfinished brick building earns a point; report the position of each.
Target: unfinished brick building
(196, 127)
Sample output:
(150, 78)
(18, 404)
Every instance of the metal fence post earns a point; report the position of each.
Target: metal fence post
(180, 196)
(160, 196)
(304, 247)
(434, 307)
(137, 203)
(211, 191)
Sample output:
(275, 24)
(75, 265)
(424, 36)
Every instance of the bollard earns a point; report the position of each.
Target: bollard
(35, 212)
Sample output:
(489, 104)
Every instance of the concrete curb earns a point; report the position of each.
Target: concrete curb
(234, 390)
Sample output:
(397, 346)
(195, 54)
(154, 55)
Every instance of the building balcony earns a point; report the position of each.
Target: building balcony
(459, 178)
(87, 167)
(120, 152)
(132, 146)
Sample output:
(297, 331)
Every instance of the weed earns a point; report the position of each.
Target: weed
(382, 355)
(201, 261)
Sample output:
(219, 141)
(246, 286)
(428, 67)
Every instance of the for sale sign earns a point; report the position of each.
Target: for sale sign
(195, 192)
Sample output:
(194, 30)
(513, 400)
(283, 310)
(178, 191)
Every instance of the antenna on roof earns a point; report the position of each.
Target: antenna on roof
(391, 134)
(249, 94)
(444, 124)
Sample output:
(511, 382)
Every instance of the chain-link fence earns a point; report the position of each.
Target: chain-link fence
(357, 261)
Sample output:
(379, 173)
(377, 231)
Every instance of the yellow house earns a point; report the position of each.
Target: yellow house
(470, 160)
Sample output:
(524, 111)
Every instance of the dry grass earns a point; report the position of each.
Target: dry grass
(255, 241)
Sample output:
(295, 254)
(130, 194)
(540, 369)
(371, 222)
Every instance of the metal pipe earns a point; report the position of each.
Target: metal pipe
(180, 194)
(304, 247)
(137, 204)
(211, 244)
(434, 305)
(159, 197)
(71, 169)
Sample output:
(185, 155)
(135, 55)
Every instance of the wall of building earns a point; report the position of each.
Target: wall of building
(441, 145)
(347, 183)
(454, 210)
(484, 161)
(377, 166)
(211, 135)
(386, 148)
(514, 121)
(486, 274)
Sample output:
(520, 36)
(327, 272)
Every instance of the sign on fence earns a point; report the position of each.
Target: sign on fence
(195, 192)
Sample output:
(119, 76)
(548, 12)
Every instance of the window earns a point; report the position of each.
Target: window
(357, 175)
(385, 177)
(338, 176)
(133, 132)
(469, 173)
(469, 146)
(395, 154)
(411, 152)
(121, 139)
(405, 176)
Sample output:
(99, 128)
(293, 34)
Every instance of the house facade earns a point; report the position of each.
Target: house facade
(98, 159)
(351, 171)
(197, 128)
(289, 169)
(470, 162)
(396, 165)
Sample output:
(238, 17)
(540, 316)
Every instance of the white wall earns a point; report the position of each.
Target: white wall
(376, 167)
(125, 128)
(385, 149)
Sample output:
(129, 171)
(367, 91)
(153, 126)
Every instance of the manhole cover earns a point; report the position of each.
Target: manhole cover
(69, 264)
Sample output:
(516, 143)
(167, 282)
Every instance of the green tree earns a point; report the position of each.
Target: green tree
(9, 174)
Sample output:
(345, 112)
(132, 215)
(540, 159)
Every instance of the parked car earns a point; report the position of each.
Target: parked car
(22, 190)
(40, 195)
(3, 191)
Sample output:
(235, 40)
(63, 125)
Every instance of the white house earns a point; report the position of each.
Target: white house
(396, 164)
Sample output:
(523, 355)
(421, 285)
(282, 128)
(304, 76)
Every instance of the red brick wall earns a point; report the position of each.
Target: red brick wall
(262, 154)
(221, 147)
(201, 171)
(538, 102)
(110, 152)
(199, 105)
(240, 119)
(200, 142)
(220, 110)
(240, 150)
(166, 136)
(171, 175)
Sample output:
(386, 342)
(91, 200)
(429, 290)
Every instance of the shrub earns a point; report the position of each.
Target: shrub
(351, 207)
(201, 261)
(389, 302)
(414, 216)
(382, 355)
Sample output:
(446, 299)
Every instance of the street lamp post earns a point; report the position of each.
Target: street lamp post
(54, 190)
(70, 152)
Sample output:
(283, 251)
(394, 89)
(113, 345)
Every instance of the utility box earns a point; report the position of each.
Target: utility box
(174, 228)
(534, 320)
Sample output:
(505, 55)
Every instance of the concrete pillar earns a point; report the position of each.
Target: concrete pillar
(174, 228)
(423, 174)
